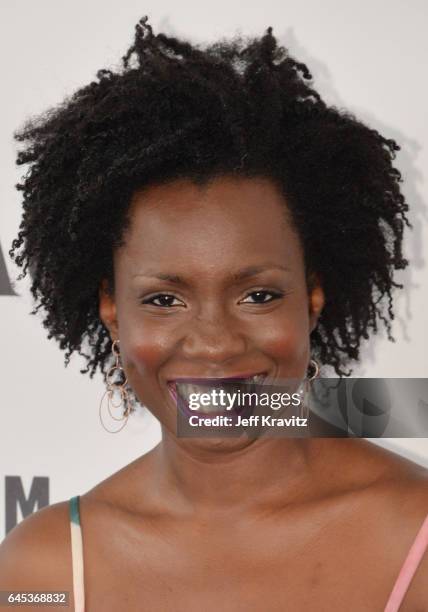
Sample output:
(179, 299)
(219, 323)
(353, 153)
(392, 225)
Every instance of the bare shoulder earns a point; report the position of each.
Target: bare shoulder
(400, 498)
(409, 528)
(400, 490)
(36, 554)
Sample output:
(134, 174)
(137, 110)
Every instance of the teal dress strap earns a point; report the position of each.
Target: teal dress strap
(74, 509)
(77, 554)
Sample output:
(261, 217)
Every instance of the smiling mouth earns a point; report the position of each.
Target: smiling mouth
(181, 389)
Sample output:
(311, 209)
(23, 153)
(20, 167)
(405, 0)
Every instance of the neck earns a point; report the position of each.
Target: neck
(248, 477)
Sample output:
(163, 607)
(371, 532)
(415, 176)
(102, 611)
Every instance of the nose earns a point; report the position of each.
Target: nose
(213, 339)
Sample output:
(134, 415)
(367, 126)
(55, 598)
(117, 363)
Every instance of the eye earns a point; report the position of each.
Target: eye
(259, 297)
(164, 300)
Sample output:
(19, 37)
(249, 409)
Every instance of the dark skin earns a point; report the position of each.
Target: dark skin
(237, 523)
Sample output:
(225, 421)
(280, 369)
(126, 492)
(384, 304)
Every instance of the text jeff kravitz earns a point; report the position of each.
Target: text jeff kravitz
(252, 421)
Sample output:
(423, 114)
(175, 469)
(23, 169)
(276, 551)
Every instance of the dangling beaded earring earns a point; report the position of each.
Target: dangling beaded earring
(112, 387)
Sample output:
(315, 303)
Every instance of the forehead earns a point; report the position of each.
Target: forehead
(217, 222)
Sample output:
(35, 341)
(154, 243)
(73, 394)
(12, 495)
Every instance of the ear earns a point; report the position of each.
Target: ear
(107, 309)
(316, 301)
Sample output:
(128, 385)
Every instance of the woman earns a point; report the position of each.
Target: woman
(203, 213)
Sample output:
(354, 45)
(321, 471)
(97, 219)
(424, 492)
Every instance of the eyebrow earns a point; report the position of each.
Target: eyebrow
(235, 276)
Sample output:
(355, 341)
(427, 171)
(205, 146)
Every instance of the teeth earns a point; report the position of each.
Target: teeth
(257, 379)
(187, 388)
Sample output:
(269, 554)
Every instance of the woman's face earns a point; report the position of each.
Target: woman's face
(210, 283)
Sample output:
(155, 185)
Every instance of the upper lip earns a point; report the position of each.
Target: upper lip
(196, 379)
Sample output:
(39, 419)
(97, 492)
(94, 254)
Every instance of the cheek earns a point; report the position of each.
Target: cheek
(287, 344)
(144, 353)
(146, 347)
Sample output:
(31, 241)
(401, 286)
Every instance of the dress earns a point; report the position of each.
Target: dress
(407, 571)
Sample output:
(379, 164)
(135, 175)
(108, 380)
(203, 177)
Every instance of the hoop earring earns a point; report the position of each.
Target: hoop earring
(115, 386)
(304, 408)
(313, 363)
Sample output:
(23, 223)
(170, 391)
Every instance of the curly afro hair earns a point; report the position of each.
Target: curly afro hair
(175, 109)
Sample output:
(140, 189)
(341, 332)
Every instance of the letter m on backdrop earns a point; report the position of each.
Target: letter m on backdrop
(15, 497)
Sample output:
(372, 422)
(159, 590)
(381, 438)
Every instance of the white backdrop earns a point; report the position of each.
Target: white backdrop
(367, 57)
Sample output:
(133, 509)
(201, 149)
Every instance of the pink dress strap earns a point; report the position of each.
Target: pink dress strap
(408, 569)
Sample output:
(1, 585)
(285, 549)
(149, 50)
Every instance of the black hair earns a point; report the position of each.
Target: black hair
(174, 109)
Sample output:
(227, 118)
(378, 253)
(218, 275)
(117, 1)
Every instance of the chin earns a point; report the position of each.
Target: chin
(219, 445)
